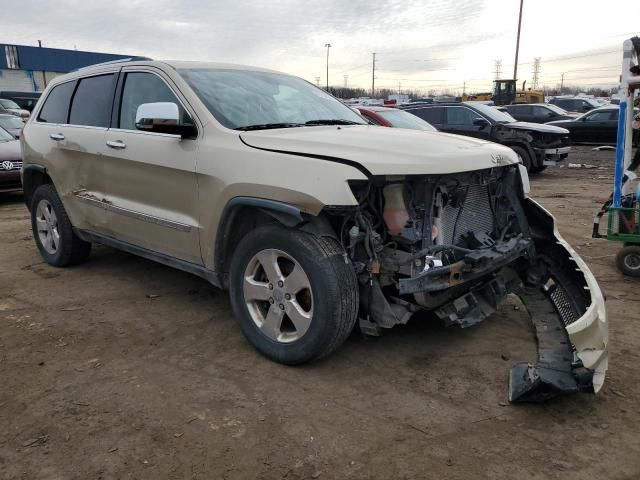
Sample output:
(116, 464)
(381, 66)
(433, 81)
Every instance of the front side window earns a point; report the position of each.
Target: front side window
(142, 87)
(460, 116)
(241, 99)
(602, 116)
(91, 104)
(542, 112)
(56, 106)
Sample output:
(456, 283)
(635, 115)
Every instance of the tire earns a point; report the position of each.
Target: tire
(524, 157)
(628, 260)
(328, 307)
(59, 247)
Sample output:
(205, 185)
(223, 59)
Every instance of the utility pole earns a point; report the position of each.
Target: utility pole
(346, 81)
(498, 70)
(373, 77)
(44, 74)
(464, 88)
(515, 67)
(318, 82)
(561, 83)
(399, 87)
(328, 45)
(536, 72)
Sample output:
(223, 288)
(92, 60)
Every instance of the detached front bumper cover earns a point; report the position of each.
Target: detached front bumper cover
(572, 342)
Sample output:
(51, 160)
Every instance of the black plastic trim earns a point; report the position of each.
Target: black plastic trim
(168, 260)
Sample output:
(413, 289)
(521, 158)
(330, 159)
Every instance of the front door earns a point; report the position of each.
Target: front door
(151, 181)
(460, 120)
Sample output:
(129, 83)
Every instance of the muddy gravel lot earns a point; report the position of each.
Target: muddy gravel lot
(123, 368)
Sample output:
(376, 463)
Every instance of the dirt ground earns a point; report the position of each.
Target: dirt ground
(123, 368)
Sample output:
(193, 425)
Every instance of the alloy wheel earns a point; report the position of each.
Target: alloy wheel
(47, 225)
(278, 295)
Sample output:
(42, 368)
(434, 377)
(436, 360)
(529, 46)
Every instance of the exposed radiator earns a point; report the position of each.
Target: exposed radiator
(473, 214)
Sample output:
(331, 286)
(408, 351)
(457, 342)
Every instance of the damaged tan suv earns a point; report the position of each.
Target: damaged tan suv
(313, 220)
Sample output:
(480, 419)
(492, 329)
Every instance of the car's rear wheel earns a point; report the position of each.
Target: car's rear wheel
(57, 242)
(293, 294)
(628, 260)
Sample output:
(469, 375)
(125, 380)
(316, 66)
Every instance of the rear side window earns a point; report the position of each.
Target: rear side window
(56, 106)
(92, 101)
(432, 115)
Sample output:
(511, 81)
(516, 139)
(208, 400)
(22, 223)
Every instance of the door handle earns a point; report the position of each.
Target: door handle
(56, 136)
(116, 144)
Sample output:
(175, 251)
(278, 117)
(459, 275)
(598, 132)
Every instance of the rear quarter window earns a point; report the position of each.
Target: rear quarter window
(56, 105)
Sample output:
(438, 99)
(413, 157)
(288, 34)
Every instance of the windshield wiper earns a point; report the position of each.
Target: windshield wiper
(332, 121)
(266, 126)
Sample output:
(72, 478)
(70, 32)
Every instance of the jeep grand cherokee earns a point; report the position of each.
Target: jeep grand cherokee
(269, 187)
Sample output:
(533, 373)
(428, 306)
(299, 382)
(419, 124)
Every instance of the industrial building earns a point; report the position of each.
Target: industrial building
(30, 69)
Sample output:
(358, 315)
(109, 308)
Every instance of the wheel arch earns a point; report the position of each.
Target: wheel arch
(33, 175)
(243, 214)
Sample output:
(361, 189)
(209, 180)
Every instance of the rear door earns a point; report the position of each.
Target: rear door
(150, 177)
(593, 127)
(432, 115)
(540, 114)
(521, 113)
(74, 119)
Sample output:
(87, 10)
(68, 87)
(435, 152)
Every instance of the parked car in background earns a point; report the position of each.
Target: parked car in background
(25, 100)
(10, 162)
(12, 108)
(11, 124)
(574, 104)
(597, 126)
(537, 145)
(538, 112)
(393, 117)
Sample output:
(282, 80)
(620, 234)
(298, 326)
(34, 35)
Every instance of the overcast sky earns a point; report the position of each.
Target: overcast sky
(420, 43)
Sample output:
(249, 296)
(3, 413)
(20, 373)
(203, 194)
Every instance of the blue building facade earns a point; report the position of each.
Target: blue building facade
(25, 68)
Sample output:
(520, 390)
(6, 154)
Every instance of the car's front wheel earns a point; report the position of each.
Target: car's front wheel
(294, 294)
(57, 242)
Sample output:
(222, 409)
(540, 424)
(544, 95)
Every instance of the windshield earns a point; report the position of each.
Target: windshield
(240, 99)
(555, 108)
(11, 122)
(401, 119)
(493, 113)
(8, 103)
(5, 136)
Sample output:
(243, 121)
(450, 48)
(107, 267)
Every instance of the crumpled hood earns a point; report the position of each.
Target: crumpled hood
(386, 151)
(538, 127)
(10, 150)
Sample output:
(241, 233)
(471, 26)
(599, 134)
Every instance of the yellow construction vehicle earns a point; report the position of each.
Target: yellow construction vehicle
(504, 93)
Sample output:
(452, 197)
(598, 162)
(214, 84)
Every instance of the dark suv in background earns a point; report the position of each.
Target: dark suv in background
(575, 104)
(538, 112)
(537, 145)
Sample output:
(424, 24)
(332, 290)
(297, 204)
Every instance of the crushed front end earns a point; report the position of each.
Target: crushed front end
(457, 245)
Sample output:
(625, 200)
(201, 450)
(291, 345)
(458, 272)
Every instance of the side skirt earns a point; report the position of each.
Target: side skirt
(193, 268)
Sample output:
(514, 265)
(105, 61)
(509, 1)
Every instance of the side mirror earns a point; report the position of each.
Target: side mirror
(162, 117)
(480, 122)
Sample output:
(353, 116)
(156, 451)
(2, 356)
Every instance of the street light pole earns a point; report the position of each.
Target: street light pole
(328, 45)
(515, 67)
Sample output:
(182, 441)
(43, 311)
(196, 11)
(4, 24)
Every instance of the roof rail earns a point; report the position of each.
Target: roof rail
(111, 62)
